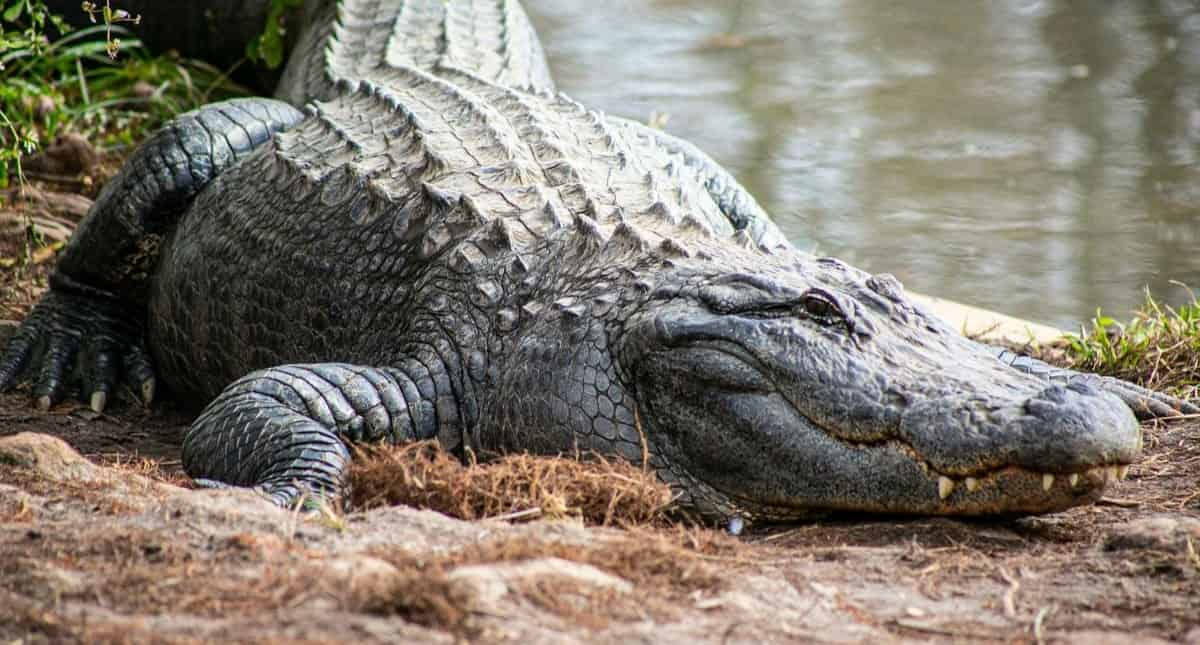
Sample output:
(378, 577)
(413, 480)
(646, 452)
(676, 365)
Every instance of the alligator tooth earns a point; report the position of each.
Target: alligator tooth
(1074, 479)
(1047, 481)
(945, 486)
(1122, 472)
(972, 484)
(1114, 473)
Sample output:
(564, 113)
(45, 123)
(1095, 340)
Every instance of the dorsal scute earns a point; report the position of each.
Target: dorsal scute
(355, 194)
(694, 226)
(589, 231)
(500, 235)
(672, 249)
(743, 239)
(448, 217)
(627, 237)
(437, 200)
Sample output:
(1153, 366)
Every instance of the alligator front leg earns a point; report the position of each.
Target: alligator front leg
(95, 308)
(1145, 403)
(281, 429)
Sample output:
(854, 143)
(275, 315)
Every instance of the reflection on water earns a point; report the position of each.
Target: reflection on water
(1039, 158)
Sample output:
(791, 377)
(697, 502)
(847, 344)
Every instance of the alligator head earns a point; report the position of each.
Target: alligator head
(779, 393)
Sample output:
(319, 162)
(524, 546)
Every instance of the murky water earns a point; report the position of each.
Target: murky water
(1038, 158)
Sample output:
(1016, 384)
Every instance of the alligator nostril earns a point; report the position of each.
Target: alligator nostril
(1054, 394)
(1040, 407)
(1057, 400)
(1082, 388)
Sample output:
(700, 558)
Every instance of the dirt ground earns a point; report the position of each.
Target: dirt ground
(120, 553)
(101, 540)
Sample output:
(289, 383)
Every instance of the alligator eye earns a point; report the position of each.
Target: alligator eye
(821, 307)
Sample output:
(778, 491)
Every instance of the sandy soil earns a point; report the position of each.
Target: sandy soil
(101, 541)
(121, 553)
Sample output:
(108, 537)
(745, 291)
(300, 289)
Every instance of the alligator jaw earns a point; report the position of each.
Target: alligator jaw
(999, 489)
(917, 487)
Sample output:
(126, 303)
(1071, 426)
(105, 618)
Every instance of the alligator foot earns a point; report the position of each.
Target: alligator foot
(292, 495)
(1146, 404)
(74, 325)
(281, 430)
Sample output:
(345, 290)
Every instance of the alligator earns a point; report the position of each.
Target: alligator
(424, 239)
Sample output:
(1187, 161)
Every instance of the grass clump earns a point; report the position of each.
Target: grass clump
(73, 102)
(55, 80)
(1158, 349)
(515, 487)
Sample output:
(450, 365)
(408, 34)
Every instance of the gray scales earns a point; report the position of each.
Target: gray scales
(437, 244)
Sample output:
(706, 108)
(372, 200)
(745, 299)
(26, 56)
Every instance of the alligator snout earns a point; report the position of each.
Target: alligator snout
(1089, 428)
(1056, 430)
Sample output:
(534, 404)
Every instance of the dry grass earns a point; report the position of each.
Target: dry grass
(599, 491)
(159, 470)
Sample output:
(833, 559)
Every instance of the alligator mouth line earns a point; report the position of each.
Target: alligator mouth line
(947, 483)
(975, 482)
(968, 487)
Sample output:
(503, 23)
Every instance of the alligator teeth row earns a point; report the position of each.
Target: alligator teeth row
(947, 485)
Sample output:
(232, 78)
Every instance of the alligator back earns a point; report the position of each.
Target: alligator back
(329, 242)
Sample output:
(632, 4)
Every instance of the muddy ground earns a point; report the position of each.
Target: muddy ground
(101, 541)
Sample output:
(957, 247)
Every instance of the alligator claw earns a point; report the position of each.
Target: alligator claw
(57, 360)
(147, 390)
(66, 330)
(289, 495)
(139, 373)
(16, 357)
(98, 401)
(103, 374)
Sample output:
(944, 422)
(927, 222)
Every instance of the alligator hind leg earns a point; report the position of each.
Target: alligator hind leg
(281, 429)
(95, 308)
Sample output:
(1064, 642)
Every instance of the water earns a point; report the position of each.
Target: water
(1037, 158)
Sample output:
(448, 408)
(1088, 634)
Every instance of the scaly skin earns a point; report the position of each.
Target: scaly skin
(444, 248)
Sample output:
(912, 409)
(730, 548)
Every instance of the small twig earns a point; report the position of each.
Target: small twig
(1118, 502)
(1178, 417)
(1187, 500)
(519, 515)
(930, 629)
(779, 536)
(1010, 597)
(1039, 624)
